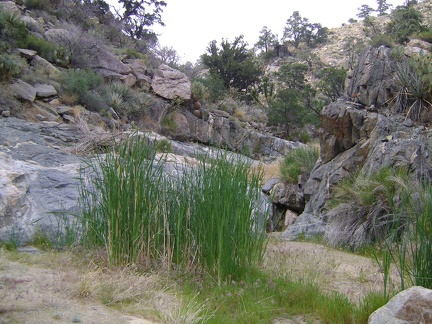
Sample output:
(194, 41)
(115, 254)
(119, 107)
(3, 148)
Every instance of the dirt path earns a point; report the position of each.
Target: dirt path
(53, 288)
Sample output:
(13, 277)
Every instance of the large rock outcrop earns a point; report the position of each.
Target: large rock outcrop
(354, 137)
(219, 129)
(372, 82)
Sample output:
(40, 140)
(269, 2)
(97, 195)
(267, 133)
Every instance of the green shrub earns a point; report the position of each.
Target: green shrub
(382, 40)
(297, 162)
(37, 4)
(80, 81)
(425, 36)
(9, 67)
(199, 91)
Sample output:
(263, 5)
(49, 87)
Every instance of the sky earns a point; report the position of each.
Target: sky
(190, 25)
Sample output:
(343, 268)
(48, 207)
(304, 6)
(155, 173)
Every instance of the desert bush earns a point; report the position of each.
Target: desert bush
(215, 86)
(10, 67)
(297, 162)
(82, 84)
(37, 4)
(382, 40)
(199, 91)
(424, 36)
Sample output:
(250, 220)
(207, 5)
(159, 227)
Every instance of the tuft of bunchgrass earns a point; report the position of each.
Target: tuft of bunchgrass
(297, 162)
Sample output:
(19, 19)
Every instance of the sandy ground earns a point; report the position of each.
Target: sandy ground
(52, 288)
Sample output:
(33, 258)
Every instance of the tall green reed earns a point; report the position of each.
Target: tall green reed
(120, 192)
(200, 216)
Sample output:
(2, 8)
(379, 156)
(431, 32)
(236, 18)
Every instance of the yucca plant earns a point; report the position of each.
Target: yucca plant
(362, 207)
(414, 78)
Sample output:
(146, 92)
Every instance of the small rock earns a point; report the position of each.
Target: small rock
(68, 118)
(408, 122)
(45, 90)
(26, 53)
(5, 113)
(23, 90)
(269, 185)
(40, 117)
(64, 110)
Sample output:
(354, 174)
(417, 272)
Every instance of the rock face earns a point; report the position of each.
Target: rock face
(38, 186)
(170, 83)
(372, 82)
(219, 129)
(413, 305)
(353, 138)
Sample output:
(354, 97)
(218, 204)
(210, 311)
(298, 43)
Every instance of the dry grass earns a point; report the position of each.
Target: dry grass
(349, 274)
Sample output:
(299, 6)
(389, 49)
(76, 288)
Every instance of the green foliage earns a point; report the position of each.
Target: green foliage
(139, 16)
(199, 91)
(297, 162)
(233, 63)
(215, 86)
(10, 67)
(425, 35)
(362, 207)
(293, 75)
(382, 40)
(414, 78)
(266, 40)
(185, 221)
(405, 21)
(83, 83)
(37, 4)
(382, 7)
(332, 82)
(299, 30)
(12, 29)
(364, 11)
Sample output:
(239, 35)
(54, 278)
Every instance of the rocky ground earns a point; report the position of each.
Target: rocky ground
(48, 287)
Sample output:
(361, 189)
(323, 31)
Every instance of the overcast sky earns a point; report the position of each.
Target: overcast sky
(190, 25)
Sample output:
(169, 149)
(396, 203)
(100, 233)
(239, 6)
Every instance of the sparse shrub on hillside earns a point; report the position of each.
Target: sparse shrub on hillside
(382, 40)
(215, 86)
(297, 162)
(199, 91)
(82, 84)
(37, 4)
(10, 67)
(424, 35)
(405, 21)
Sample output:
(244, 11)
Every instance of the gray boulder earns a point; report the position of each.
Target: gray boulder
(103, 59)
(170, 83)
(410, 306)
(45, 90)
(23, 91)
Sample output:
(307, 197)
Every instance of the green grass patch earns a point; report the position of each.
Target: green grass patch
(297, 162)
